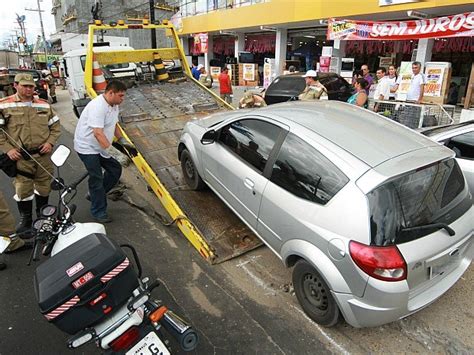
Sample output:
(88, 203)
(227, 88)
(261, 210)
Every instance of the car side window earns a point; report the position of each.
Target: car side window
(463, 145)
(303, 171)
(250, 139)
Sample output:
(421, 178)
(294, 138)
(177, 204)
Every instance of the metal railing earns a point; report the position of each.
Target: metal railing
(415, 115)
(191, 8)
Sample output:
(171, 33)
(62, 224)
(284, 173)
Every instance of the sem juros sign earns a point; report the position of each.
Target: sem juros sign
(461, 25)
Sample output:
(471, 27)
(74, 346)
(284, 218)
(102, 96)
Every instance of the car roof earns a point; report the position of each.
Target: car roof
(368, 136)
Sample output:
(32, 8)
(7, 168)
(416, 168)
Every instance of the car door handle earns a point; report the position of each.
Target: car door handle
(249, 183)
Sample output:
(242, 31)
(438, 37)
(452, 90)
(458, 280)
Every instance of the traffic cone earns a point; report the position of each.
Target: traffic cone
(98, 79)
(161, 73)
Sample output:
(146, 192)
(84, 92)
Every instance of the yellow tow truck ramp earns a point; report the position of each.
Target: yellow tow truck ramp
(152, 116)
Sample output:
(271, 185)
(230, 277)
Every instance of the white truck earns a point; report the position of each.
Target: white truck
(73, 65)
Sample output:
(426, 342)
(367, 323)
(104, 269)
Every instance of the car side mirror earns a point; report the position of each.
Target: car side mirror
(209, 137)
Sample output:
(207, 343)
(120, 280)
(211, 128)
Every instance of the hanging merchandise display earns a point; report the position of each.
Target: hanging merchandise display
(461, 25)
(260, 43)
(200, 43)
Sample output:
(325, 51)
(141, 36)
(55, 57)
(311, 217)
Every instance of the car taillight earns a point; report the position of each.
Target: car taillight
(383, 263)
(127, 339)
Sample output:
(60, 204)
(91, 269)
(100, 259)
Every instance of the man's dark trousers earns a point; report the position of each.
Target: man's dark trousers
(100, 183)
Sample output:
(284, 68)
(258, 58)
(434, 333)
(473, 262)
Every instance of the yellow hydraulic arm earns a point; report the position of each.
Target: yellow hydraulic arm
(112, 57)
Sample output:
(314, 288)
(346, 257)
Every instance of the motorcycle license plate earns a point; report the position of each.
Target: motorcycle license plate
(149, 345)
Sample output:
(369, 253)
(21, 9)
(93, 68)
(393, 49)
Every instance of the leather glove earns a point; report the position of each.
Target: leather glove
(129, 147)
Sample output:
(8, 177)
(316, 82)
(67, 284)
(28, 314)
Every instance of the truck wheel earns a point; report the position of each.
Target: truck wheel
(190, 172)
(314, 295)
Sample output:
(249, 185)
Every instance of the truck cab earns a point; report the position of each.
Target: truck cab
(73, 65)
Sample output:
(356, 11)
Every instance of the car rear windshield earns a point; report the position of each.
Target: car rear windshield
(290, 84)
(433, 194)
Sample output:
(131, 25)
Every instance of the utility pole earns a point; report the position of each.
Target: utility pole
(152, 21)
(39, 11)
(97, 15)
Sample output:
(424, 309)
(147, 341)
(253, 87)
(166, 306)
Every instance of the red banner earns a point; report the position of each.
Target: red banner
(461, 25)
(200, 43)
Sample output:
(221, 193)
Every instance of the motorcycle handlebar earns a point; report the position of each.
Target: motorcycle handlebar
(36, 251)
(75, 183)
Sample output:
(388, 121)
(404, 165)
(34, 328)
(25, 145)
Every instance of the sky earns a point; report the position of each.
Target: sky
(32, 23)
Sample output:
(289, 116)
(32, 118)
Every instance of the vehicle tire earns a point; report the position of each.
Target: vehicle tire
(190, 173)
(314, 295)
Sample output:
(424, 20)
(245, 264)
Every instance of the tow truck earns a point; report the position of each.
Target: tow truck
(158, 104)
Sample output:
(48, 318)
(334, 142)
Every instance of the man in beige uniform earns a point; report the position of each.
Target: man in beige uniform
(7, 228)
(251, 100)
(32, 125)
(5, 84)
(51, 84)
(314, 89)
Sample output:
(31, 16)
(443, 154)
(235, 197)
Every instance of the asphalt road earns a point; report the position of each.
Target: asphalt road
(245, 305)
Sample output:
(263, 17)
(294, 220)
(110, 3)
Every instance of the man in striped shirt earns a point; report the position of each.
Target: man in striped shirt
(31, 129)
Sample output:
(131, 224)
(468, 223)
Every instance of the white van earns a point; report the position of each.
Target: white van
(74, 63)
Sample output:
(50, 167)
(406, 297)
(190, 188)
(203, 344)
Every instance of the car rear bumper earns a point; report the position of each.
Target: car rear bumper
(389, 302)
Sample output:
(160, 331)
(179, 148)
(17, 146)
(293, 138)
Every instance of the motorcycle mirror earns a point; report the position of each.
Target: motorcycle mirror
(60, 155)
(57, 184)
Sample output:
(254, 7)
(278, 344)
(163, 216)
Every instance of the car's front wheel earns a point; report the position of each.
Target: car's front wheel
(314, 295)
(190, 173)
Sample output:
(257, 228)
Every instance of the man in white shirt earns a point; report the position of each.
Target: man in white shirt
(417, 84)
(95, 131)
(382, 90)
(411, 115)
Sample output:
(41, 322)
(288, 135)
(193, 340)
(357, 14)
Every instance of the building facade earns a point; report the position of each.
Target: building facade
(72, 17)
(295, 32)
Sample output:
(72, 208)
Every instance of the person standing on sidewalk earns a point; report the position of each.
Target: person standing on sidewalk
(31, 130)
(93, 137)
(366, 75)
(51, 84)
(225, 86)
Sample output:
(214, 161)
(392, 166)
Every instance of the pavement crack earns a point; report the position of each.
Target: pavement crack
(431, 339)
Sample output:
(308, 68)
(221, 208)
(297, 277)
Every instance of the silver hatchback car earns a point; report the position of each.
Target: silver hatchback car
(376, 219)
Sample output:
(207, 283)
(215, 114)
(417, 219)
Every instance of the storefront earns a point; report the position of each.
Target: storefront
(304, 47)
(446, 39)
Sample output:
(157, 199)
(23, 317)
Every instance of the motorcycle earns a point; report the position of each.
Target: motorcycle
(90, 289)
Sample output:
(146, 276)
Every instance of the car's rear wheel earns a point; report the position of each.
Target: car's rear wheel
(190, 173)
(314, 295)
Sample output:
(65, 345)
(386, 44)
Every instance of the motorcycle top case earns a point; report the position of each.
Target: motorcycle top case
(83, 283)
